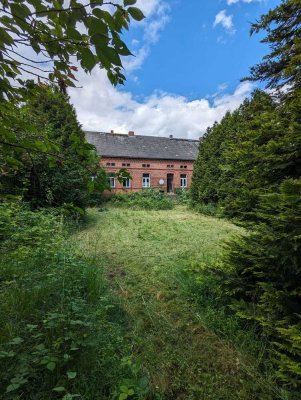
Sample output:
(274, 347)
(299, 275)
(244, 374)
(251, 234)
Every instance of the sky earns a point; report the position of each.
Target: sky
(189, 58)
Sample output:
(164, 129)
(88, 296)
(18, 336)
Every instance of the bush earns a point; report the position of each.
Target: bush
(265, 280)
(183, 196)
(148, 199)
(61, 334)
(210, 209)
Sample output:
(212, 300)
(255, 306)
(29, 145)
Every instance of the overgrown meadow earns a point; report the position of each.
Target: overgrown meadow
(61, 332)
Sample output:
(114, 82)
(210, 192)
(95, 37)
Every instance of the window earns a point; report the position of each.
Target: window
(145, 165)
(146, 180)
(111, 180)
(170, 166)
(126, 164)
(126, 183)
(183, 166)
(110, 164)
(183, 180)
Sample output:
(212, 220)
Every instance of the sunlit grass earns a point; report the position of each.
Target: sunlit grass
(144, 255)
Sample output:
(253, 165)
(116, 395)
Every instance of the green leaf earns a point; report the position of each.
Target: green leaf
(12, 387)
(71, 374)
(51, 366)
(129, 2)
(88, 59)
(16, 340)
(123, 389)
(136, 13)
(96, 25)
(123, 396)
(20, 10)
(40, 145)
(5, 37)
(111, 55)
(59, 389)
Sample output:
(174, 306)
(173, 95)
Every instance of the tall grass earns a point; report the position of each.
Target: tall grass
(62, 335)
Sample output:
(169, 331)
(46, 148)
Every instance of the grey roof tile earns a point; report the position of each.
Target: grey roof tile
(139, 146)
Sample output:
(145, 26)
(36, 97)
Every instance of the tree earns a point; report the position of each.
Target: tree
(281, 67)
(264, 281)
(45, 179)
(58, 35)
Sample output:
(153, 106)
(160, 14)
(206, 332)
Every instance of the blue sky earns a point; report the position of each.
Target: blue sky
(190, 57)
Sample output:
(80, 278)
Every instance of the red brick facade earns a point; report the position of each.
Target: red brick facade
(163, 174)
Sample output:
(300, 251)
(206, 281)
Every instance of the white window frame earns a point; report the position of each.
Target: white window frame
(126, 184)
(183, 180)
(112, 181)
(146, 180)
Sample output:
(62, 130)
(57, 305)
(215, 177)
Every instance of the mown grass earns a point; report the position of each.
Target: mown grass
(189, 345)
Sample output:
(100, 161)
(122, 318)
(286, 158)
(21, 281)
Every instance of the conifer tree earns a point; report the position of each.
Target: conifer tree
(281, 67)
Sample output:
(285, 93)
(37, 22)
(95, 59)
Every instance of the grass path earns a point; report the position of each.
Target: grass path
(142, 254)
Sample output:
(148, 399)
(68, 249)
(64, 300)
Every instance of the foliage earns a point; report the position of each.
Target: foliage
(45, 40)
(60, 329)
(207, 209)
(64, 177)
(58, 33)
(265, 277)
(249, 165)
(248, 154)
(183, 196)
(147, 199)
(280, 69)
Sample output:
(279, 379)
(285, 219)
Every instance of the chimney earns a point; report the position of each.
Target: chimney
(131, 133)
(112, 131)
(170, 136)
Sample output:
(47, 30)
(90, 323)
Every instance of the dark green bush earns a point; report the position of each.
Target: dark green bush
(148, 199)
(265, 282)
(207, 209)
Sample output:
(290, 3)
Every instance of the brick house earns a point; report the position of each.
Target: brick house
(157, 162)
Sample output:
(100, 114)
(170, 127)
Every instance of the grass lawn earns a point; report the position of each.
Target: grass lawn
(143, 255)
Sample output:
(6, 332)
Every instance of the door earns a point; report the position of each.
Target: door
(169, 183)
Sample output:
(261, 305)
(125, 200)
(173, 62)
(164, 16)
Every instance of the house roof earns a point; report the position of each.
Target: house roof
(139, 146)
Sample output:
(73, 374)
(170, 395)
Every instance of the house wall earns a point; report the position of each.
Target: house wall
(158, 169)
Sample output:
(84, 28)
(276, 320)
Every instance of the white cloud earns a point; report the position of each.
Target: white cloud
(225, 21)
(156, 13)
(102, 107)
(230, 2)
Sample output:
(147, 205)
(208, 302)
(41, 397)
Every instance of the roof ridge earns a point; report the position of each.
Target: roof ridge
(150, 136)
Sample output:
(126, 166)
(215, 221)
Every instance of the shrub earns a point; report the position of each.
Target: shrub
(183, 196)
(265, 279)
(148, 199)
(207, 209)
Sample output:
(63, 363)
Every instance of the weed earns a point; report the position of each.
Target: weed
(147, 199)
